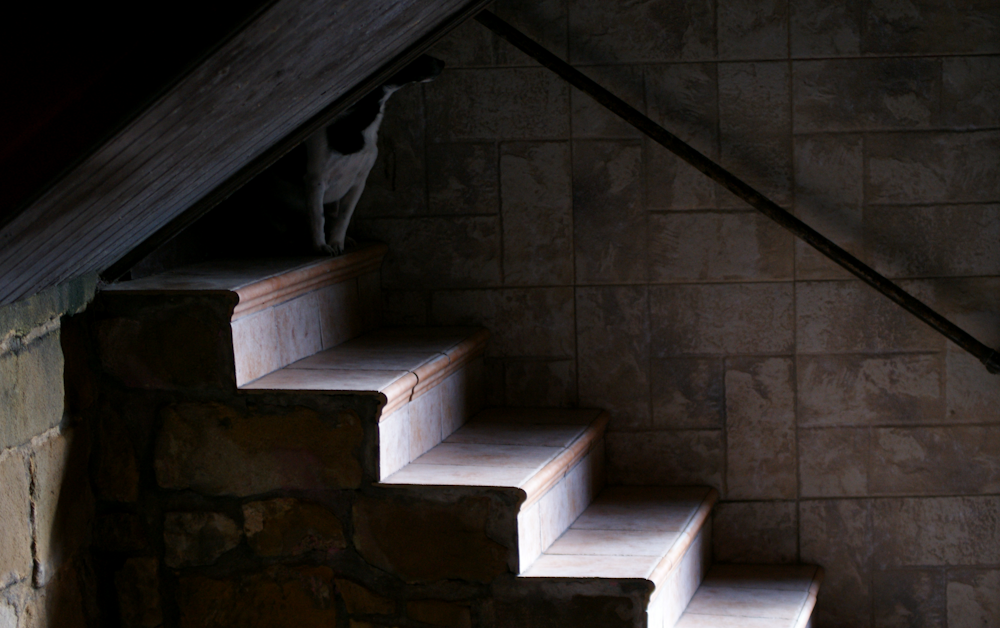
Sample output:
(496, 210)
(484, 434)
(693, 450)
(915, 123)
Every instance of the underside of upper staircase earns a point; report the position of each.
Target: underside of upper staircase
(284, 67)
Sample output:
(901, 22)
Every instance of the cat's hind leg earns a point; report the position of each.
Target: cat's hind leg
(338, 231)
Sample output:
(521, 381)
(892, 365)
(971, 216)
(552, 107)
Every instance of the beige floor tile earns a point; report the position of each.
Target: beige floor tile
(721, 621)
(439, 475)
(780, 577)
(741, 602)
(641, 508)
(501, 434)
(306, 379)
(562, 566)
(349, 359)
(614, 542)
(489, 455)
(541, 416)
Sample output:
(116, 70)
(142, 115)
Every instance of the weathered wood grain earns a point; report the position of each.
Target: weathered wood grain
(296, 58)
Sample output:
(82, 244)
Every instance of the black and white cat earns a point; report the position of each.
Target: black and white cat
(339, 158)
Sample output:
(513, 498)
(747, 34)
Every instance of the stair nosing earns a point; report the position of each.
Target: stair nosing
(692, 529)
(270, 291)
(535, 488)
(805, 613)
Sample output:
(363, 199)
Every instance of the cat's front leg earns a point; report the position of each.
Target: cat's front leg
(317, 152)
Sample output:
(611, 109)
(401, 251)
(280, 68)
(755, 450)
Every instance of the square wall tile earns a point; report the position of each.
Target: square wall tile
(462, 178)
(833, 462)
(753, 29)
(825, 29)
(755, 532)
(688, 393)
(676, 457)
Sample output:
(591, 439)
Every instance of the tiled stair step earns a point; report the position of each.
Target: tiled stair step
(554, 456)
(430, 378)
(628, 534)
(282, 309)
(754, 596)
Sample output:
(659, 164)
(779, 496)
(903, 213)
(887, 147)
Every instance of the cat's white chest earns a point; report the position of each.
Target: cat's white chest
(344, 171)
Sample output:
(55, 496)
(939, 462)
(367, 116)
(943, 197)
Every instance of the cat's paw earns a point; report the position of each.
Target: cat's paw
(324, 249)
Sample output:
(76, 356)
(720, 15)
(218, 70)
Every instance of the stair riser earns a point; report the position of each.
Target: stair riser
(414, 428)
(539, 524)
(669, 601)
(285, 332)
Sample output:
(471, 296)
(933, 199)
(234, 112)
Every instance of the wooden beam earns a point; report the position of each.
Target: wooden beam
(286, 66)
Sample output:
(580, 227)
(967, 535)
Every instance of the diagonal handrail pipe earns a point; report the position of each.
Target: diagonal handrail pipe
(989, 357)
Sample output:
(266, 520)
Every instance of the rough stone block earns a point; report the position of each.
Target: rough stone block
(513, 104)
(360, 600)
(198, 538)
(115, 467)
(973, 598)
(180, 343)
(722, 319)
(535, 184)
(936, 460)
(760, 429)
(676, 457)
(971, 90)
(829, 194)
(120, 532)
(909, 598)
(930, 26)
(837, 534)
(833, 462)
(280, 596)
(707, 246)
(850, 317)
(592, 120)
(609, 220)
(822, 29)
(753, 29)
(613, 352)
(936, 531)
(641, 32)
(452, 252)
(8, 615)
(536, 322)
(59, 603)
(427, 541)
(933, 167)
(754, 532)
(15, 519)
(63, 503)
(289, 527)
(138, 585)
(540, 383)
(688, 393)
(31, 390)
(682, 98)
(219, 450)
(462, 178)
(934, 241)
(866, 94)
(868, 390)
(755, 124)
(439, 613)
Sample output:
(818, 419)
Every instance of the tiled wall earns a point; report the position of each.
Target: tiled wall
(838, 429)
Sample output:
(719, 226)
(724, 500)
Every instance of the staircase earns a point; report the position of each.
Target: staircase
(303, 463)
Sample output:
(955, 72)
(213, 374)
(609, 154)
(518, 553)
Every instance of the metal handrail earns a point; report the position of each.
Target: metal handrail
(989, 357)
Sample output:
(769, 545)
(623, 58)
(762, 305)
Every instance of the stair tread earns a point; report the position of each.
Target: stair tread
(397, 362)
(754, 596)
(507, 447)
(628, 532)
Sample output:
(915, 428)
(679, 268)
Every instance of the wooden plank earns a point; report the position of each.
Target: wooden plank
(287, 65)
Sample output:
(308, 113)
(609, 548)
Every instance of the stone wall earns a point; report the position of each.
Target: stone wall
(45, 501)
(838, 429)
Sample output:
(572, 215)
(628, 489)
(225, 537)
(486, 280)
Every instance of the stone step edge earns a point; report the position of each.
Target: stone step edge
(287, 285)
(428, 375)
(673, 557)
(556, 469)
(805, 614)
